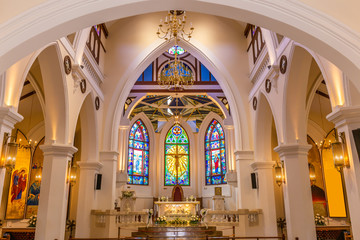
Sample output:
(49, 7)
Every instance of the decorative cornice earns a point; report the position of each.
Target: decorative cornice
(292, 149)
(244, 155)
(262, 165)
(58, 150)
(109, 156)
(9, 117)
(341, 116)
(90, 165)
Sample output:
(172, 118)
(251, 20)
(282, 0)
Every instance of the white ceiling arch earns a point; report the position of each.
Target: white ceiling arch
(53, 19)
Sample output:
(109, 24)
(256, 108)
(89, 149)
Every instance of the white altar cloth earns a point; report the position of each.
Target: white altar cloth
(172, 210)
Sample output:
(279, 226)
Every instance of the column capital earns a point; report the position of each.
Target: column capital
(90, 165)
(244, 155)
(262, 165)
(341, 116)
(9, 117)
(109, 156)
(292, 149)
(58, 149)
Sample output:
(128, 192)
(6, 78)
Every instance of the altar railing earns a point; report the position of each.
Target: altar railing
(230, 218)
(135, 218)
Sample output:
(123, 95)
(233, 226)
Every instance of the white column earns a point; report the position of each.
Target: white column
(297, 191)
(54, 192)
(8, 118)
(107, 194)
(87, 197)
(266, 196)
(347, 119)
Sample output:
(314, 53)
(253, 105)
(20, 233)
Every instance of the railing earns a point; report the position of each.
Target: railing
(230, 218)
(94, 43)
(257, 43)
(181, 237)
(136, 218)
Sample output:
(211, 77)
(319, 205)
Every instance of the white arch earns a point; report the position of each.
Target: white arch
(52, 20)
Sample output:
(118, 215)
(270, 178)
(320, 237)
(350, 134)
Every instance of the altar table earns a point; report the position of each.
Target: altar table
(172, 210)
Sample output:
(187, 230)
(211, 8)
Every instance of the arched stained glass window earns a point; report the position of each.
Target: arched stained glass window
(138, 164)
(177, 157)
(215, 160)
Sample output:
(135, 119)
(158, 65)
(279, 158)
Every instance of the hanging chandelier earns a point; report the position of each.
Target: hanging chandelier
(175, 75)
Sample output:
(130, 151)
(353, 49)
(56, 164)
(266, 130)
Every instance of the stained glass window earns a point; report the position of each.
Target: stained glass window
(177, 157)
(177, 49)
(215, 160)
(138, 164)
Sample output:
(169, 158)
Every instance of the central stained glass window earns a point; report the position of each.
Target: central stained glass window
(215, 160)
(177, 157)
(138, 164)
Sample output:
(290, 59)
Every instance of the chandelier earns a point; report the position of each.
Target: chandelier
(175, 75)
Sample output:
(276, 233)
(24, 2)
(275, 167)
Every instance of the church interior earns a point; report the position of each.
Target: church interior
(193, 119)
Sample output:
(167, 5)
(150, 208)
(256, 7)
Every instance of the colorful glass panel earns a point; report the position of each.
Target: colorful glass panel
(177, 49)
(177, 166)
(215, 158)
(138, 163)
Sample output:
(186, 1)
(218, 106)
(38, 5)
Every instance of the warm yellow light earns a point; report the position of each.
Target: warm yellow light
(338, 155)
(312, 174)
(279, 176)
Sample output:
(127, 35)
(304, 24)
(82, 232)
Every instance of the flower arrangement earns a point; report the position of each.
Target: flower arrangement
(178, 221)
(32, 221)
(161, 220)
(319, 220)
(127, 194)
(194, 220)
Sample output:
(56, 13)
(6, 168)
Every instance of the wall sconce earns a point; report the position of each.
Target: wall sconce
(279, 173)
(9, 152)
(72, 176)
(38, 174)
(312, 174)
(339, 151)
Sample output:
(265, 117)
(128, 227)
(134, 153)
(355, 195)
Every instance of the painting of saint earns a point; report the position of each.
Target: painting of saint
(216, 161)
(34, 194)
(19, 184)
(137, 170)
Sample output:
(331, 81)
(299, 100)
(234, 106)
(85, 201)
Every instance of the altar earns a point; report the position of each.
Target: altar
(180, 209)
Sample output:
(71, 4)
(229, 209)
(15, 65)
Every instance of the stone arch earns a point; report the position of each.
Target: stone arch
(295, 88)
(316, 28)
(89, 130)
(209, 60)
(56, 95)
(264, 116)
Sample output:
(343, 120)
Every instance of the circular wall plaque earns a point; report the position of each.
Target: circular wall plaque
(254, 103)
(268, 85)
(97, 103)
(83, 85)
(283, 64)
(67, 64)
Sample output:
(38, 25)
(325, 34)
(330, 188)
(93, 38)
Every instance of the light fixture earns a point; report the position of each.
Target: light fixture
(9, 152)
(175, 75)
(312, 174)
(71, 178)
(174, 27)
(279, 173)
(339, 151)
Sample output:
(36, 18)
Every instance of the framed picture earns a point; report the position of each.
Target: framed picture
(83, 85)
(97, 103)
(283, 64)
(218, 191)
(254, 103)
(268, 85)
(67, 64)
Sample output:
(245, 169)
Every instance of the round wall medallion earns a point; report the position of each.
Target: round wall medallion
(83, 85)
(268, 85)
(97, 103)
(283, 64)
(67, 64)
(254, 103)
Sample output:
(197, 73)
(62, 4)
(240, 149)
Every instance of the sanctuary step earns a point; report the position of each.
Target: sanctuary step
(178, 232)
